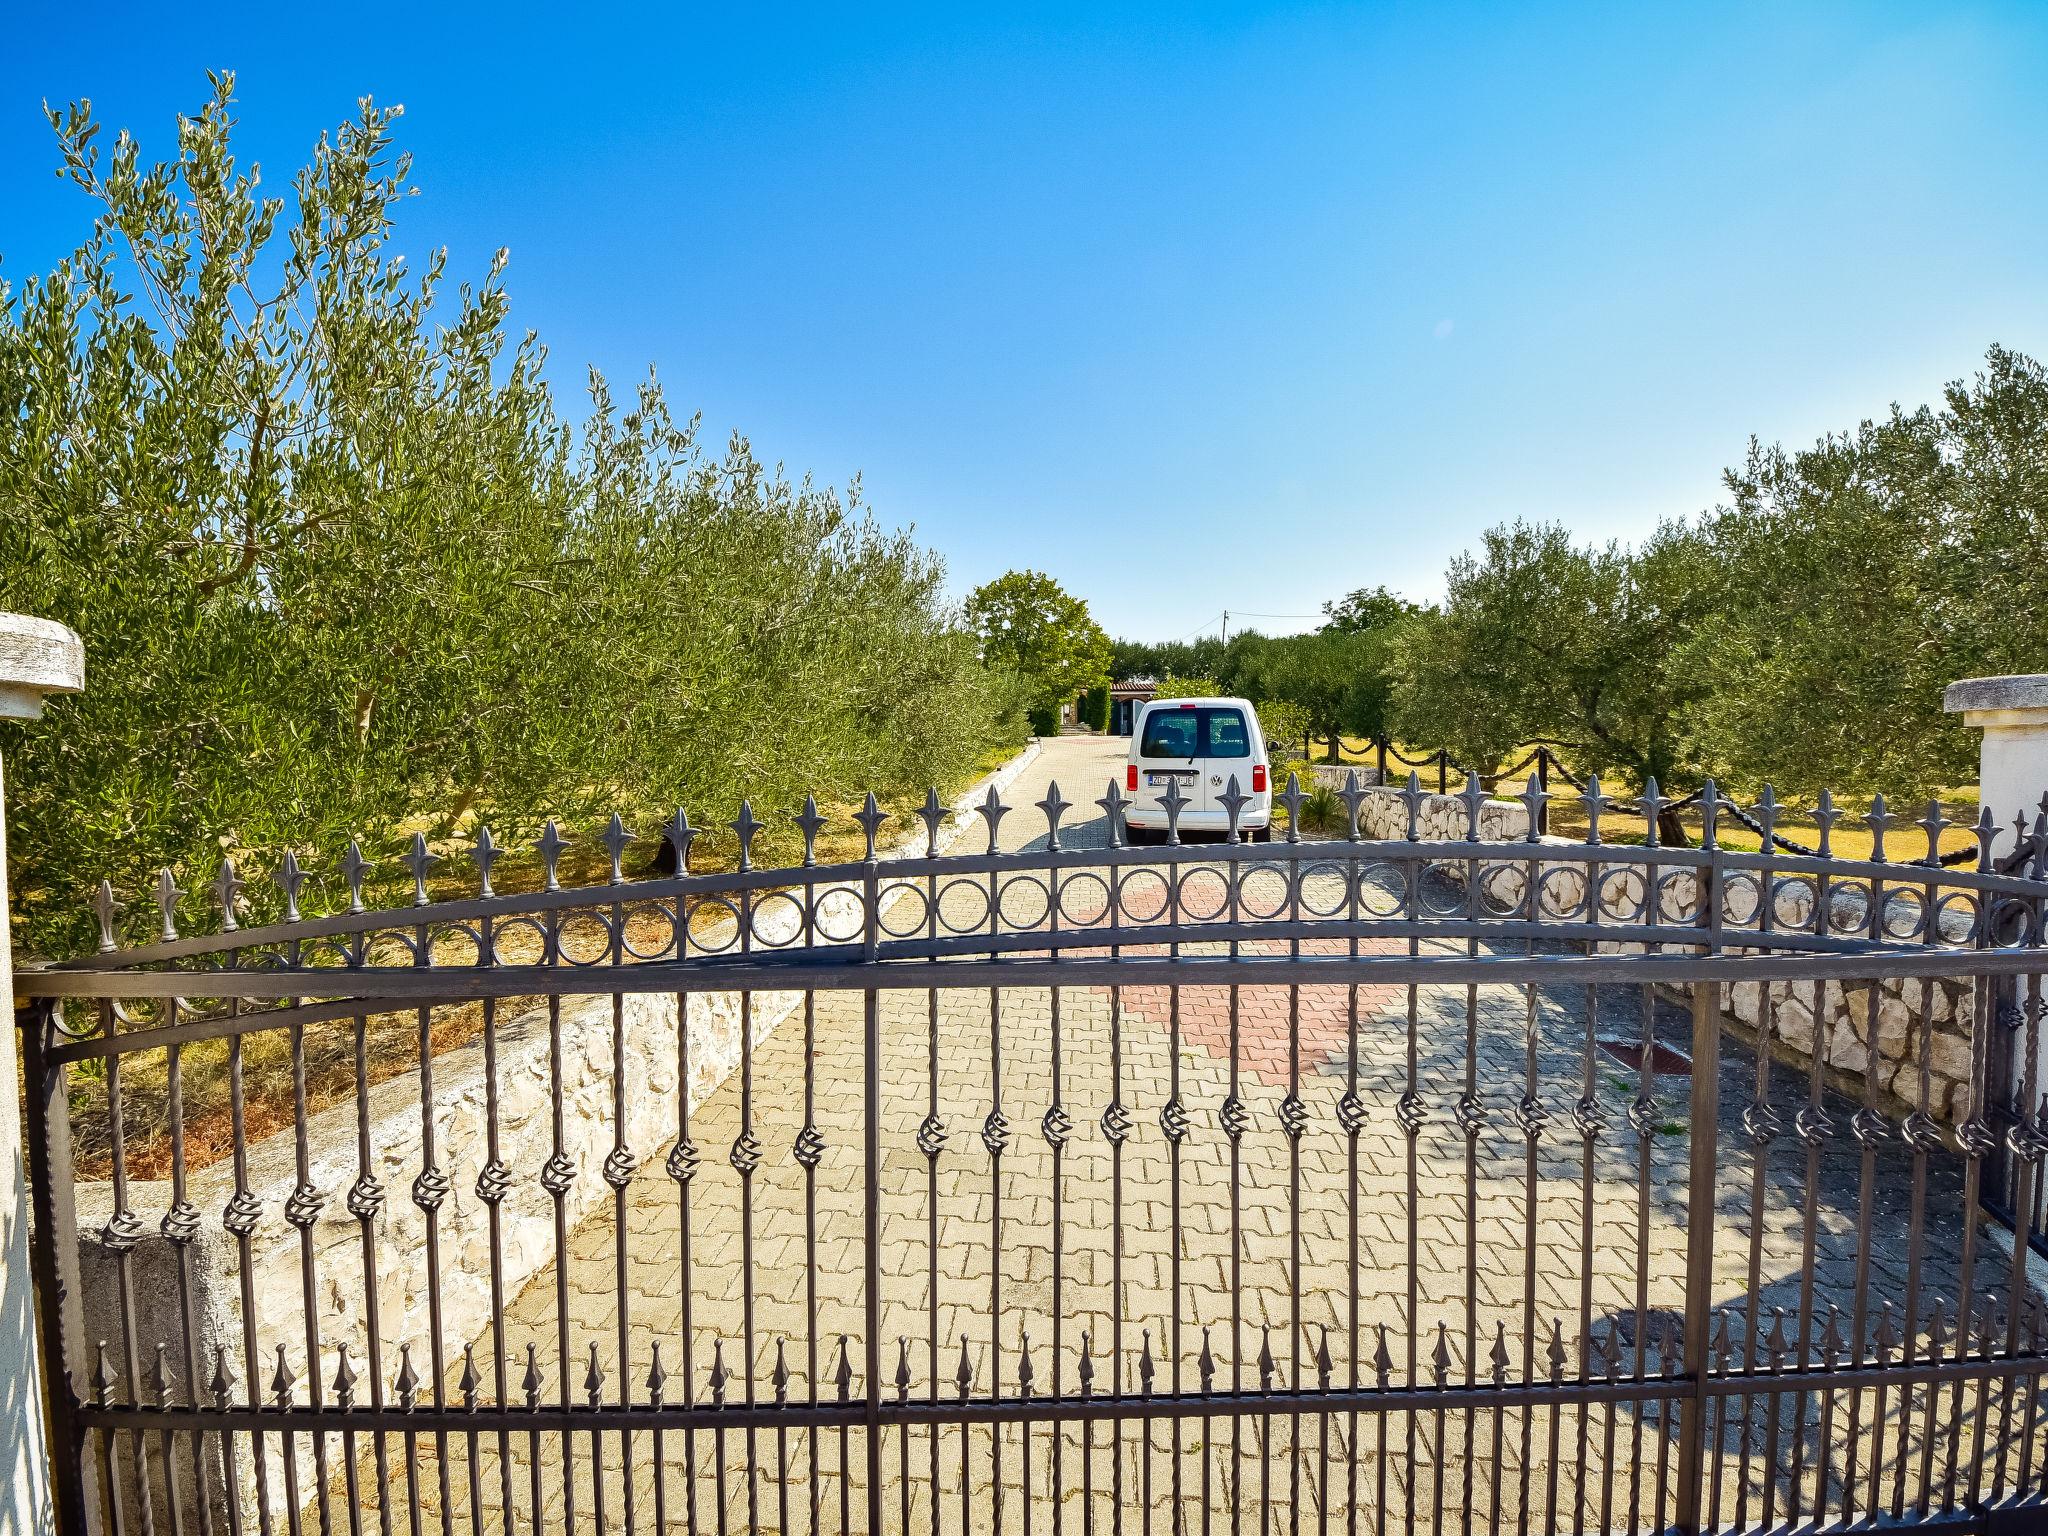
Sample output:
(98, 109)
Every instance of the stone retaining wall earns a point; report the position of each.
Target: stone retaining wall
(1845, 1011)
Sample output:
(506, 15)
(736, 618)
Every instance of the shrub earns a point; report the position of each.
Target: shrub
(1322, 810)
(1045, 720)
(1095, 707)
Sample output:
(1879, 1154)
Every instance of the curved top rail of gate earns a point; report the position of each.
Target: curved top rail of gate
(1388, 908)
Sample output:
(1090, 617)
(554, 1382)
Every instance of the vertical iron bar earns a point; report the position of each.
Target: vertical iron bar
(1293, 1122)
(871, 1049)
(1868, 1128)
(745, 1155)
(1233, 1127)
(557, 1177)
(1532, 1129)
(1471, 1116)
(53, 1253)
(809, 1138)
(1814, 1130)
(428, 1191)
(1056, 1128)
(1977, 1140)
(994, 1134)
(1699, 1227)
(2035, 1004)
(1917, 1138)
(302, 1211)
(1762, 1126)
(683, 1163)
(1646, 1130)
(1351, 1115)
(182, 1224)
(1174, 1120)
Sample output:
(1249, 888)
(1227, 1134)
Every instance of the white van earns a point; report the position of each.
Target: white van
(1199, 744)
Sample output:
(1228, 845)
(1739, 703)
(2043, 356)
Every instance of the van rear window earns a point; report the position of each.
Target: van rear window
(1199, 732)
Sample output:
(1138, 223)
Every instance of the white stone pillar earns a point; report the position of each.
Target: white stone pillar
(37, 658)
(2012, 777)
(2012, 712)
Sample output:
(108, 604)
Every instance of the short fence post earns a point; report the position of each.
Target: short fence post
(37, 658)
(1443, 771)
(1380, 751)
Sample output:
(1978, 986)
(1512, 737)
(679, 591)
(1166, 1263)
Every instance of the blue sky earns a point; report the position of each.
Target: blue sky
(1196, 307)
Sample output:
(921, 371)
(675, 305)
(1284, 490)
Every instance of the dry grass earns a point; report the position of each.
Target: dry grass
(1851, 839)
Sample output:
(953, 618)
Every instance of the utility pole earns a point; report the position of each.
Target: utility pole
(1226, 626)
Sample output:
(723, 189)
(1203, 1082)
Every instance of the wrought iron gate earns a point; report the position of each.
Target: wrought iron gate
(1390, 1182)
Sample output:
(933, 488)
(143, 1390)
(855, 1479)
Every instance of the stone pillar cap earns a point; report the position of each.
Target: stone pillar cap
(37, 657)
(2021, 691)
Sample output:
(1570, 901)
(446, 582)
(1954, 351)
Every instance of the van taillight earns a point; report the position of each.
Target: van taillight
(1258, 778)
(1130, 776)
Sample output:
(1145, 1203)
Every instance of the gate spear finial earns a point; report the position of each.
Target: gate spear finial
(809, 823)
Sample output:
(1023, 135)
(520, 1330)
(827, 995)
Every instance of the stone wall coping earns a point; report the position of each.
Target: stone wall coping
(2018, 693)
(37, 657)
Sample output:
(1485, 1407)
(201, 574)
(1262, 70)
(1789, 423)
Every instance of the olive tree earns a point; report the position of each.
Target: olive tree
(1543, 639)
(1860, 576)
(342, 567)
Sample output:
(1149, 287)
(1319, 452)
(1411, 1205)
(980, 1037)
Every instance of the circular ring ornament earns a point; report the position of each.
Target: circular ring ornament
(1024, 903)
(657, 922)
(714, 925)
(1792, 903)
(776, 920)
(1503, 889)
(1084, 899)
(1560, 893)
(963, 905)
(1204, 893)
(840, 916)
(1620, 896)
(1383, 890)
(905, 907)
(1141, 896)
(1902, 915)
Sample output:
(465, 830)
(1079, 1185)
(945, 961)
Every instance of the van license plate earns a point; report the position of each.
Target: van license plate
(1169, 778)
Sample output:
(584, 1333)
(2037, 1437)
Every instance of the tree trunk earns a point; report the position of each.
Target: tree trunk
(1671, 831)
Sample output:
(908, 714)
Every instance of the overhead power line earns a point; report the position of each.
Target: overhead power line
(1223, 618)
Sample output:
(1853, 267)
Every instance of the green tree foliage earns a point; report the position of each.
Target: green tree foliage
(1286, 726)
(1171, 687)
(1206, 657)
(1542, 639)
(1341, 680)
(1368, 608)
(342, 568)
(1030, 625)
(1860, 576)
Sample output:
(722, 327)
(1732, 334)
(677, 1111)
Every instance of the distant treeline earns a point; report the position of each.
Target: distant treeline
(342, 567)
(1802, 634)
